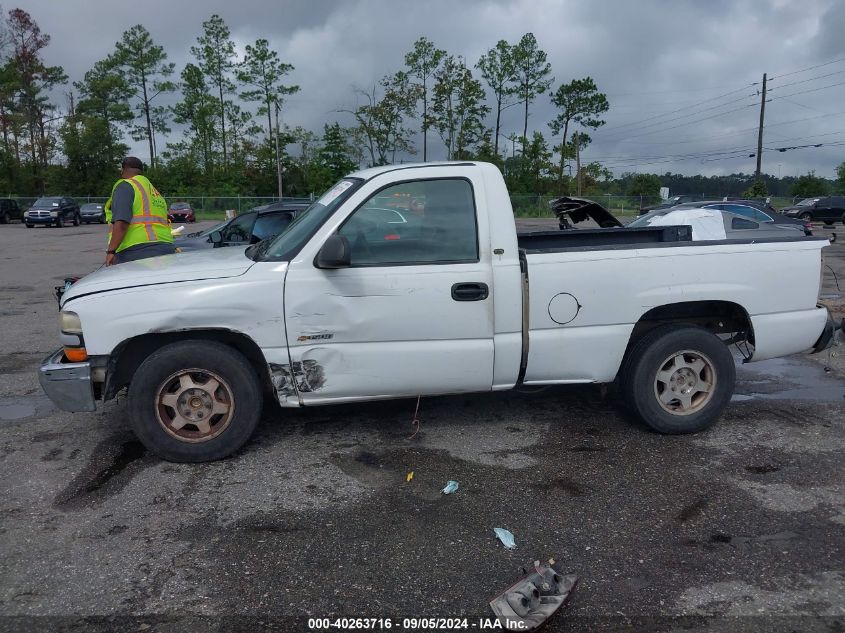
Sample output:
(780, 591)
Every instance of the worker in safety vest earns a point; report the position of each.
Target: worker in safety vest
(137, 217)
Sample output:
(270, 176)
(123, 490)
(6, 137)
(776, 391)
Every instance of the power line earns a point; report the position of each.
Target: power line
(804, 92)
(660, 92)
(803, 70)
(804, 81)
(662, 114)
(673, 127)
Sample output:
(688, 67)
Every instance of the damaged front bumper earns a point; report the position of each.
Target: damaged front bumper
(828, 334)
(68, 385)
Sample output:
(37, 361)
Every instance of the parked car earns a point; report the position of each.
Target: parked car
(248, 228)
(53, 210)
(666, 204)
(323, 314)
(734, 226)
(754, 210)
(181, 212)
(9, 210)
(93, 212)
(829, 209)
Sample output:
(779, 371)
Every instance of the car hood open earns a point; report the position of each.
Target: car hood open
(577, 210)
(216, 263)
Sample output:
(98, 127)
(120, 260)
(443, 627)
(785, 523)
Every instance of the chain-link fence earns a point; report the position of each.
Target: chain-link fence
(524, 205)
(537, 206)
(205, 207)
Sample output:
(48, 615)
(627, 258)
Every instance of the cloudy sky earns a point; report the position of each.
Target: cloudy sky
(682, 76)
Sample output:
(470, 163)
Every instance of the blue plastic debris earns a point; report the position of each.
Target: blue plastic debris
(451, 486)
(506, 538)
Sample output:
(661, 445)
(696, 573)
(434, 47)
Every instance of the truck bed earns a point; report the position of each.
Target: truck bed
(552, 241)
(616, 238)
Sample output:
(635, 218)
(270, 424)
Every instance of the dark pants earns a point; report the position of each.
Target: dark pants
(143, 251)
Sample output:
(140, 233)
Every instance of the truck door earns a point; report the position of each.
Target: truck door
(413, 312)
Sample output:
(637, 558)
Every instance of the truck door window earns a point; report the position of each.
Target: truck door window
(418, 222)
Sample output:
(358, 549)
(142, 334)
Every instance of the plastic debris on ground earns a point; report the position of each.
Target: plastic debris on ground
(506, 538)
(451, 486)
(410, 476)
(532, 600)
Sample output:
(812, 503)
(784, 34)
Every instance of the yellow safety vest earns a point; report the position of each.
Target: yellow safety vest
(149, 215)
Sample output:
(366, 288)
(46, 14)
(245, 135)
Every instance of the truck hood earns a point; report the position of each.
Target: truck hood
(216, 263)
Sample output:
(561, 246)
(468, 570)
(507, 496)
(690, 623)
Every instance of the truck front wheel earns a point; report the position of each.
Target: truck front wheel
(194, 401)
(678, 379)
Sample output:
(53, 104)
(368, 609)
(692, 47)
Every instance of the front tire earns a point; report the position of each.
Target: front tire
(76, 219)
(60, 221)
(30, 226)
(5, 218)
(194, 401)
(678, 379)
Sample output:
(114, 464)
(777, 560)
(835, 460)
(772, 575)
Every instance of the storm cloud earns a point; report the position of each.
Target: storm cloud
(682, 77)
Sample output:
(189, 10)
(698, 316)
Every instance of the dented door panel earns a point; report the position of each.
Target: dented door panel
(388, 331)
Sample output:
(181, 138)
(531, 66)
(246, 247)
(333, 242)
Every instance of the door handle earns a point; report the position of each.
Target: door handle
(470, 291)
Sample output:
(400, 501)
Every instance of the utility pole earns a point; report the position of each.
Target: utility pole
(578, 164)
(278, 156)
(760, 131)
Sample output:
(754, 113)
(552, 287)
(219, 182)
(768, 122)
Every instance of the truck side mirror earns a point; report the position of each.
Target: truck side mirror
(335, 253)
(216, 238)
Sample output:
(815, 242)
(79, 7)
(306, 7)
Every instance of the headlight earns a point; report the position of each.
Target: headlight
(53, 214)
(70, 323)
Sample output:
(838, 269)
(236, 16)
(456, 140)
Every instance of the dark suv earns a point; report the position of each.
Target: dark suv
(9, 210)
(828, 209)
(54, 210)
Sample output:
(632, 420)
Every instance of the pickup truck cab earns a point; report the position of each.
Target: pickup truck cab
(351, 305)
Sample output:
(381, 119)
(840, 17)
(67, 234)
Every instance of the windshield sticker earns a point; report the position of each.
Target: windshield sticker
(334, 192)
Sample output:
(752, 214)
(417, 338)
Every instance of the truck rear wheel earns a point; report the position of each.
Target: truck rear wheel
(194, 401)
(678, 379)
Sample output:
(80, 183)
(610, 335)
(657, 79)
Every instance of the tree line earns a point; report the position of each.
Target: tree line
(227, 109)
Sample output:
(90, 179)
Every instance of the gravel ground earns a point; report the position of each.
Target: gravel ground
(739, 528)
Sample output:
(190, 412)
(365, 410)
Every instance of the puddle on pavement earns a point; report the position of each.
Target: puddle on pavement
(16, 410)
(111, 468)
(787, 379)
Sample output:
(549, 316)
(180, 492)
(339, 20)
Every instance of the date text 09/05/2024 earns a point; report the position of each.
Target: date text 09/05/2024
(424, 624)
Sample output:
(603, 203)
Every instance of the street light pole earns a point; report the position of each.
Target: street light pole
(278, 155)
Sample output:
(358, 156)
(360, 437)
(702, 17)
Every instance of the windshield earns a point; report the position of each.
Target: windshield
(288, 243)
(807, 202)
(92, 206)
(47, 202)
(644, 220)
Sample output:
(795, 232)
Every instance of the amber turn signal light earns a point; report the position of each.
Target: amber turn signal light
(76, 354)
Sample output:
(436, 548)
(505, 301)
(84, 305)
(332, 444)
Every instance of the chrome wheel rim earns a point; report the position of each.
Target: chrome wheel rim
(194, 405)
(685, 382)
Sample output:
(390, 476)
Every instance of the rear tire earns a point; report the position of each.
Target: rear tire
(678, 379)
(194, 401)
(30, 226)
(828, 222)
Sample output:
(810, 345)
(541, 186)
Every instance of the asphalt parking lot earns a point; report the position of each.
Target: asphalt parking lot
(738, 528)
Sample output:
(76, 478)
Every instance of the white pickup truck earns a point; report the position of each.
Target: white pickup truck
(411, 280)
